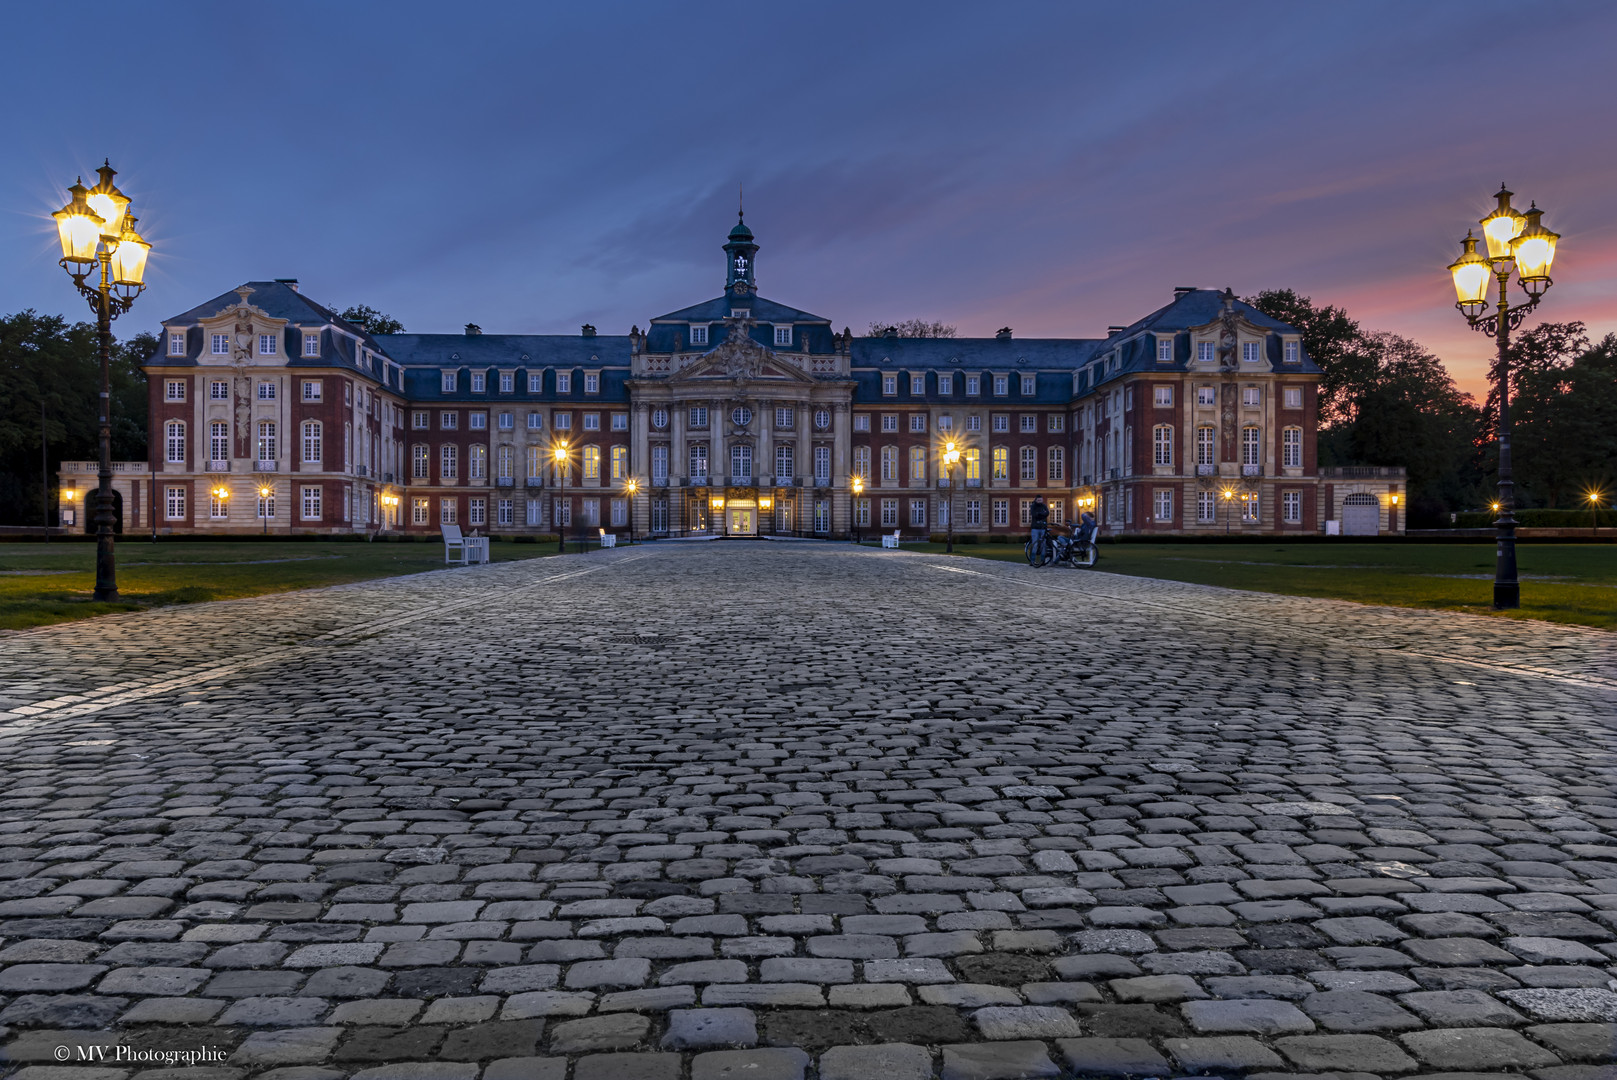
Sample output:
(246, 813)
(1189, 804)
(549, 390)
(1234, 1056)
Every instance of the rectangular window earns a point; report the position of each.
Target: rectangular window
(1204, 445)
(1057, 512)
(591, 510)
(420, 511)
(784, 463)
(917, 465)
(174, 390)
(1002, 422)
(505, 510)
(1026, 511)
(889, 513)
(536, 382)
(659, 465)
(1291, 507)
(266, 391)
(592, 463)
(822, 515)
(419, 461)
(861, 462)
(1164, 350)
(507, 381)
(974, 384)
(218, 441)
(659, 515)
(592, 421)
(311, 344)
(479, 382)
(620, 511)
(1293, 397)
(174, 503)
(536, 421)
(1057, 458)
(1250, 448)
(1028, 471)
(266, 344)
(974, 511)
(783, 335)
(420, 420)
(918, 421)
(784, 417)
(218, 507)
(698, 335)
(917, 513)
(312, 389)
(1249, 506)
(1249, 352)
(1291, 448)
(477, 461)
(1206, 395)
(918, 384)
(562, 516)
(1293, 352)
(974, 422)
(564, 382)
(1056, 422)
(310, 502)
(1030, 423)
(1002, 511)
(1162, 445)
(592, 382)
(822, 464)
(698, 416)
(889, 421)
(221, 344)
(861, 513)
(889, 463)
(446, 511)
(973, 458)
(1250, 396)
(219, 390)
(1164, 504)
(1206, 506)
(446, 382)
(945, 384)
(311, 442)
(1204, 351)
(889, 384)
(1002, 385)
(507, 421)
(176, 343)
(1029, 382)
(699, 464)
(448, 461)
(448, 420)
(1162, 396)
(562, 421)
(477, 511)
(619, 463)
(620, 421)
(266, 440)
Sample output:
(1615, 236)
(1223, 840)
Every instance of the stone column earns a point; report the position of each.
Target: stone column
(640, 466)
(841, 506)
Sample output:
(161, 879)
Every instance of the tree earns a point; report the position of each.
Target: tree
(1563, 410)
(371, 321)
(912, 328)
(1331, 340)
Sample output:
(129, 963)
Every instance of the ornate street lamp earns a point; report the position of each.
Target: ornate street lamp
(96, 228)
(1228, 494)
(858, 489)
(1595, 498)
(1521, 243)
(631, 486)
(951, 458)
(560, 453)
(264, 493)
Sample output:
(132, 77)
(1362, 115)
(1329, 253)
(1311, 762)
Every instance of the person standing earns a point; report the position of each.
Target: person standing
(1040, 516)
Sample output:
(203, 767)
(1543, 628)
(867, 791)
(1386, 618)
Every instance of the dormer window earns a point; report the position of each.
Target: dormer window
(1293, 352)
(446, 382)
(698, 335)
(740, 313)
(176, 342)
(221, 345)
(564, 382)
(507, 382)
(1249, 352)
(918, 384)
(311, 344)
(592, 382)
(479, 382)
(266, 344)
(945, 384)
(1027, 385)
(1204, 351)
(783, 335)
(1164, 351)
(536, 383)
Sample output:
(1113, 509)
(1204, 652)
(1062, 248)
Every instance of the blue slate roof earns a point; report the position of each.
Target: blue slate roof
(719, 307)
(425, 356)
(277, 300)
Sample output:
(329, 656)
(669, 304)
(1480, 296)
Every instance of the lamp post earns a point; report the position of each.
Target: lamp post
(1228, 496)
(858, 489)
(222, 493)
(951, 458)
(96, 227)
(560, 454)
(1516, 242)
(1594, 509)
(631, 486)
(264, 493)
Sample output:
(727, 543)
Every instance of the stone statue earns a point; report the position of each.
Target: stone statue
(1228, 333)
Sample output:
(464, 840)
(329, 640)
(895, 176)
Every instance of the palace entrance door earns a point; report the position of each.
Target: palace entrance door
(742, 518)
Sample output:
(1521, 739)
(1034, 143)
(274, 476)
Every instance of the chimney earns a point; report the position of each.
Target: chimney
(587, 330)
(1113, 331)
(1181, 291)
(473, 330)
(1003, 334)
(289, 282)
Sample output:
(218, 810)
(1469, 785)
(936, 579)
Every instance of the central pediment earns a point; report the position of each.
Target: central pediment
(740, 357)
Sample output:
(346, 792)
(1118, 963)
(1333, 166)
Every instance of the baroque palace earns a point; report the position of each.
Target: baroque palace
(738, 416)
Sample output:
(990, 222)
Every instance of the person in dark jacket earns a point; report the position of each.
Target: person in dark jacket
(1040, 515)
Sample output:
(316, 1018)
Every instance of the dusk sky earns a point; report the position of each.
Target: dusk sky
(1051, 167)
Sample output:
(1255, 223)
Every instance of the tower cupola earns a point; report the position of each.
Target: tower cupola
(739, 255)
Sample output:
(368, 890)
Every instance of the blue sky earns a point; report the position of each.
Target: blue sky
(1051, 167)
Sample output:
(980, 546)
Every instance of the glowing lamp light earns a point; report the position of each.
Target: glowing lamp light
(858, 484)
(1228, 494)
(765, 502)
(717, 502)
(105, 199)
(1502, 226)
(1395, 500)
(78, 227)
(1495, 507)
(263, 492)
(1534, 249)
(129, 258)
(1471, 273)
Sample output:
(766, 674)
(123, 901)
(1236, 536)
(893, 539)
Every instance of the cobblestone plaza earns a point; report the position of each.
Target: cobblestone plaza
(786, 811)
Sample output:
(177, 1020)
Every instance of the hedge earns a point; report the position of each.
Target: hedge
(1539, 519)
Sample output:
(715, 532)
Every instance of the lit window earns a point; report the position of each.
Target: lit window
(592, 463)
(698, 335)
(1002, 463)
(620, 464)
(420, 511)
(1249, 506)
(266, 344)
(973, 458)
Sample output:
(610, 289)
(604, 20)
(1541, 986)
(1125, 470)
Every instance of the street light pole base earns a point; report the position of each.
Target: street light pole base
(1507, 595)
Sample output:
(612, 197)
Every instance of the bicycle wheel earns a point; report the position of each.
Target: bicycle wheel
(1027, 550)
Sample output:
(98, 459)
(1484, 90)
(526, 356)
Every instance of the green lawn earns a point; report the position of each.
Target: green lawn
(1565, 583)
(48, 583)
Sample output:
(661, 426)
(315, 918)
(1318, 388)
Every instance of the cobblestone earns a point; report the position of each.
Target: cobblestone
(1238, 833)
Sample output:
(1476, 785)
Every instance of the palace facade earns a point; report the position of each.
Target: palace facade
(737, 416)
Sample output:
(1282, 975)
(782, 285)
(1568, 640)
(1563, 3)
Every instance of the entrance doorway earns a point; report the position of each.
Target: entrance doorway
(1361, 515)
(743, 519)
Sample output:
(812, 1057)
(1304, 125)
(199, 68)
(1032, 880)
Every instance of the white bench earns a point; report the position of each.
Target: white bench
(454, 545)
(608, 540)
(889, 540)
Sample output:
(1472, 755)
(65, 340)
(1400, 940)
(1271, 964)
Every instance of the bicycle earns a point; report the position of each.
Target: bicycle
(1076, 550)
(1044, 557)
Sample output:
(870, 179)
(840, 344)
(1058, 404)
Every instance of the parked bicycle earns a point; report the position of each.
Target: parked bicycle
(1076, 548)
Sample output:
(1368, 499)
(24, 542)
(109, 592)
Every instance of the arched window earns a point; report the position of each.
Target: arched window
(478, 469)
(1291, 447)
(889, 463)
(786, 463)
(1162, 444)
(861, 462)
(699, 463)
(620, 463)
(174, 441)
(1250, 447)
(1204, 444)
(1002, 463)
(974, 465)
(917, 465)
(448, 461)
(592, 463)
(311, 442)
(740, 463)
(1029, 470)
